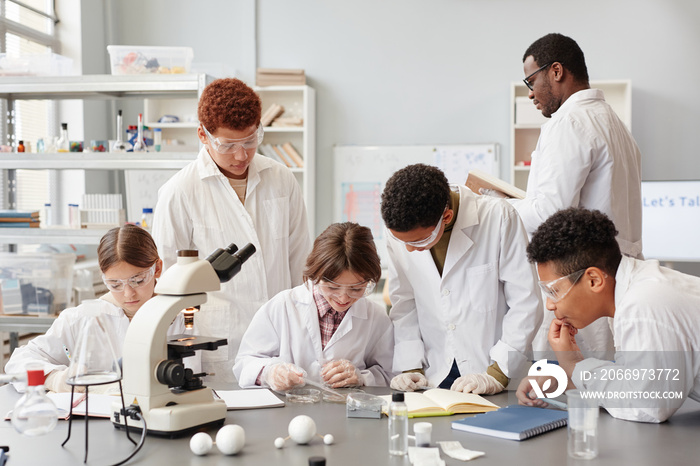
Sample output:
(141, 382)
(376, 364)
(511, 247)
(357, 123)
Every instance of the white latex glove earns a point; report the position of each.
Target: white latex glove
(481, 384)
(341, 373)
(56, 382)
(492, 193)
(409, 381)
(283, 376)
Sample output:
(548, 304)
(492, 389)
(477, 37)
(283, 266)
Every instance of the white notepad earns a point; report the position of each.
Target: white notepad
(249, 399)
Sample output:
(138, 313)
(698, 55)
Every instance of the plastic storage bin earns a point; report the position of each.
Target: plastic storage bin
(36, 284)
(133, 59)
(46, 64)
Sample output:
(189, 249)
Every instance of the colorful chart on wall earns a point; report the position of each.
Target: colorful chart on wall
(360, 173)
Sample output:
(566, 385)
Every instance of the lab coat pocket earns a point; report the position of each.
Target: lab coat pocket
(277, 215)
(482, 282)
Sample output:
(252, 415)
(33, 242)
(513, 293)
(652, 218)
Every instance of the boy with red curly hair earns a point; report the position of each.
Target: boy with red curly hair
(231, 195)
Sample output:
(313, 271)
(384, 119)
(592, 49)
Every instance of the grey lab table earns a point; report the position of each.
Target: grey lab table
(357, 441)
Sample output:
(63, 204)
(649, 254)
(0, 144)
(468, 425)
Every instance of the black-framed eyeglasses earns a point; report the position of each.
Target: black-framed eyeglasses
(527, 80)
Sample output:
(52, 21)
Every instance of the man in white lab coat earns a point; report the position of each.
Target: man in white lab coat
(585, 157)
(654, 312)
(231, 195)
(464, 301)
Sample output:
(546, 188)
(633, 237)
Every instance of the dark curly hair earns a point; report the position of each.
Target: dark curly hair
(229, 103)
(341, 247)
(415, 197)
(559, 48)
(575, 239)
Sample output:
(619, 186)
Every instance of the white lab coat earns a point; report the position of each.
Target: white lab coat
(198, 209)
(485, 308)
(50, 349)
(657, 326)
(586, 157)
(286, 329)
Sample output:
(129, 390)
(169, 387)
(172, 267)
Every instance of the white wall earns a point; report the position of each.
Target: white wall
(438, 71)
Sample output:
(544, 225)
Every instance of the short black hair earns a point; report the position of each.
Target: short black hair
(559, 48)
(415, 197)
(574, 239)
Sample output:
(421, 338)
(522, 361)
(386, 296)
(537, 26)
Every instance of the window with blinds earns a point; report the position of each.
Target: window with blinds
(27, 28)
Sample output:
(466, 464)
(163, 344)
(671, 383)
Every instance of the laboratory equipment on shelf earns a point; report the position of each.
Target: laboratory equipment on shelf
(140, 144)
(119, 145)
(157, 138)
(147, 218)
(34, 414)
(63, 144)
(170, 399)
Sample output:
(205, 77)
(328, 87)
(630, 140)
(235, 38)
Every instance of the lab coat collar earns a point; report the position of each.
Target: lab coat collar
(460, 242)
(575, 98)
(207, 168)
(303, 296)
(623, 279)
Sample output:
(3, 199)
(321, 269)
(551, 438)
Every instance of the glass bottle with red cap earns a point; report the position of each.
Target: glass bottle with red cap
(34, 414)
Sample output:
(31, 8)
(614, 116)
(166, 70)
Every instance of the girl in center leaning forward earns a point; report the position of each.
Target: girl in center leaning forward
(325, 330)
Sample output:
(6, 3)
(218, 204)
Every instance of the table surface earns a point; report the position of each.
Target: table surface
(357, 441)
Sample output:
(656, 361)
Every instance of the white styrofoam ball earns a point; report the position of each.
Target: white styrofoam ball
(302, 429)
(279, 442)
(230, 439)
(328, 439)
(201, 443)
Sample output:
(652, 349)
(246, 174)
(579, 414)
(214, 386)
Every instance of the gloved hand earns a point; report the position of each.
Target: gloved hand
(481, 384)
(409, 381)
(56, 382)
(283, 376)
(492, 193)
(341, 373)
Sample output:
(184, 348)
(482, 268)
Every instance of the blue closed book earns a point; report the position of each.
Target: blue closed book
(513, 422)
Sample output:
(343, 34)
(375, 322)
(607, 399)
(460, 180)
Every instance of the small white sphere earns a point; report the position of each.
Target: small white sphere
(230, 439)
(302, 429)
(279, 442)
(201, 443)
(328, 439)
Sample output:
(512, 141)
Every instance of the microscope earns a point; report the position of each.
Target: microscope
(172, 400)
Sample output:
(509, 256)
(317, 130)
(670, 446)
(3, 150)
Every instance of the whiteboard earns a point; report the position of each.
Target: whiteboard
(142, 190)
(671, 220)
(360, 173)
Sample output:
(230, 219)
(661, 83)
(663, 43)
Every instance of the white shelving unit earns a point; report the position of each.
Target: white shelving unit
(97, 87)
(525, 122)
(298, 101)
(162, 94)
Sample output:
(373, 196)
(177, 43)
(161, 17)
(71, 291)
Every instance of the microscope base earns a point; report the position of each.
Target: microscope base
(178, 420)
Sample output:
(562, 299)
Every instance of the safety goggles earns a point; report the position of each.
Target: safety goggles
(554, 289)
(423, 242)
(356, 290)
(140, 279)
(230, 146)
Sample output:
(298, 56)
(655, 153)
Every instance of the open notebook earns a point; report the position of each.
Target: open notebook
(443, 402)
(513, 422)
(249, 399)
(100, 405)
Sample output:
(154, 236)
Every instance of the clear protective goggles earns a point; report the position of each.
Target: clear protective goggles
(140, 279)
(554, 289)
(426, 241)
(231, 146)
(356, 290)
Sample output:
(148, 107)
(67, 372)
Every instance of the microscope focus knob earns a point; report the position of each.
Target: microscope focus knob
(170, 373)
